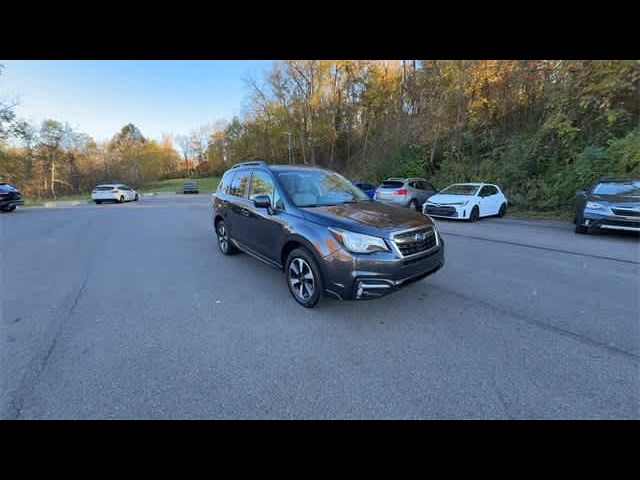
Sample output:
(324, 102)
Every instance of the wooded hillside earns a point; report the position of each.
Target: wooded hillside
(541, 129)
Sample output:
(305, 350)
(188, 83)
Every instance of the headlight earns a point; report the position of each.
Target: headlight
(594, 206)
(359, 243)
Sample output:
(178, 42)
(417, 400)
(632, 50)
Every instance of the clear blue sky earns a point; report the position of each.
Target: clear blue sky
(99, 97)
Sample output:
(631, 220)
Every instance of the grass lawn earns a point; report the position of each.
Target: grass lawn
(86, 197)
(205, 185)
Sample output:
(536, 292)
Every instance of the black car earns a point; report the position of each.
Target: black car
(611, 204)
(190, 186)
(10, 198)
(325, 233)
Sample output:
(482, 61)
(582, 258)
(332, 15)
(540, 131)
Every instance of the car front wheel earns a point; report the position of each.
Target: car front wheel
(581, 229)
(475, 214)
(303, 278)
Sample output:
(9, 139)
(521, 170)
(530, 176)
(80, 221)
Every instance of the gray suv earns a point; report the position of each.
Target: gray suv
(406, 192)
(325, 233)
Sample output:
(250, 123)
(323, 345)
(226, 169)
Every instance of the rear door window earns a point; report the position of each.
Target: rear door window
(240, 184)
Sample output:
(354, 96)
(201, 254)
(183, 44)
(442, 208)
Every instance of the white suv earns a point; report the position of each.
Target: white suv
(116, 192)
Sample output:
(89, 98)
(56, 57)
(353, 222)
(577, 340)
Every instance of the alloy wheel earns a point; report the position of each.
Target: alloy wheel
(223, 237)
(301, 279)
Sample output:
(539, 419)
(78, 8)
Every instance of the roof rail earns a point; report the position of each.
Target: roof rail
(251, 163)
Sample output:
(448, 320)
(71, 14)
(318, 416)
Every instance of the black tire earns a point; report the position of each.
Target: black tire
(136, 198)
(98, 202)
(503, 210)
(581, 229)
(475, 214)
(302, 271)
(9, 209)
(224, 240)
(121, 199)
(413, 205)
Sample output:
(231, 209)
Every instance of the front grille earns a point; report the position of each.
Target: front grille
(625, 212)
(620, 223)
(442, 210)
(415, 241)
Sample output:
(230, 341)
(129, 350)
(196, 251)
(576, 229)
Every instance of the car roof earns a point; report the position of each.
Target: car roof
(618, 179)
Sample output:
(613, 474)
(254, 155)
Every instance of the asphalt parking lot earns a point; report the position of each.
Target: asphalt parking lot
(130, 311)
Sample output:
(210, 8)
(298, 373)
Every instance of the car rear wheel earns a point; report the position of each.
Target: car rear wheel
(136, 198)
(121, 199)
(475, 214)
(303, 278)
(413, 205)
(98, 202)
(224, 241)
(9, 209)
(581, 229)
(503, 210)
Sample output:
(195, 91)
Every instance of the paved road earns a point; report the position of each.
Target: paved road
(130, 311)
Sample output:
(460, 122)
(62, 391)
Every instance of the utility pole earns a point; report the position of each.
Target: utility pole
(288, 134)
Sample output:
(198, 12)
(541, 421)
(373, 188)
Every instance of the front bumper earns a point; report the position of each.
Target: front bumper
(447, 211)
(360, 277)
(13, 202)
(610, 222)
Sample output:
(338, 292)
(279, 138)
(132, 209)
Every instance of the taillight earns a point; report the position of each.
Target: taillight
(402, 191)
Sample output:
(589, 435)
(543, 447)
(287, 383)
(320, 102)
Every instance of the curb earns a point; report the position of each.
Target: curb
(65, 203)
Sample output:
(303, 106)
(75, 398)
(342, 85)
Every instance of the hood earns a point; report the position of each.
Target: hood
(443, 198)
(614, 199)
(366, 217)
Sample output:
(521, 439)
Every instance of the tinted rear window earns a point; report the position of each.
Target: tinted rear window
(104, 188)
(391, 184)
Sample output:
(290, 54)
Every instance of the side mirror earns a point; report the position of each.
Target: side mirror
(262, 201)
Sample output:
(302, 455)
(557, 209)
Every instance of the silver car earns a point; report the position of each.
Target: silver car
(406, 192)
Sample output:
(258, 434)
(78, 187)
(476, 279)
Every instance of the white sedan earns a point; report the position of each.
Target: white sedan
(468, 201)
(114, 192)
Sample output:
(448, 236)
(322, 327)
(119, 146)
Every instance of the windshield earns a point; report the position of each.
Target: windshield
(319, 188)
(460, 189)
(631, 189)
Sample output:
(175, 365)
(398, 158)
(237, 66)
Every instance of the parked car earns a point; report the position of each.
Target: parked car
(610, 204)
(190, 186)
(468, 201)
(325, 234)
(406, 192)
(114, 192)
(367, 187)
(10, 197)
